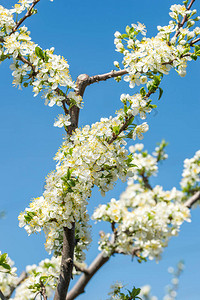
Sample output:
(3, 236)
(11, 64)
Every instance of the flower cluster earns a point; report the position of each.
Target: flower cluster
(7, 274)
(171, 48)
(191, 174)
(6, 22)
(117, 292)
(144, 218)
(85, 159)
(45, 274)
(36, 276)
(96, 155)
(31, 65)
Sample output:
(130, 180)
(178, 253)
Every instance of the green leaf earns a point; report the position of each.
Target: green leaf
(116, 129)
(127, 29)
(5, 266)
(197, 53)
(160, 93)
(142, 92)
(71, 182)
(130, 121)
(68, 174)
(156, 80)
(29, 216)
(193, 56)
(125, 108)
(124, 35)
(25, 84)
(46, 57)
(197, 48)
(3, 257)
(152, 105)
(70, 151)
(39, 52)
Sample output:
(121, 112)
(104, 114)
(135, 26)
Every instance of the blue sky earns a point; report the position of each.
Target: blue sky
(82, 31)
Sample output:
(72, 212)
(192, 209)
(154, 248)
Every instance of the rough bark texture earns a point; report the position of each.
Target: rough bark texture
(66, 263)
(85, 278)
(69, 234)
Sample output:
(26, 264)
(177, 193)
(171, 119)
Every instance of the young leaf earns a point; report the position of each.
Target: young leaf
(39, 52)
(160, 93)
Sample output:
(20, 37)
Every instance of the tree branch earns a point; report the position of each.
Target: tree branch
(126, 122)
(146, 182)
(21, 278)
(79, 287)
(28, 14)
(194, 41)
(192, 200)
(180, 25)
(69, 234)
(106, 76)
(66, 263)
(80, 268)
(43, 291)
(2, 296)
(85, 80)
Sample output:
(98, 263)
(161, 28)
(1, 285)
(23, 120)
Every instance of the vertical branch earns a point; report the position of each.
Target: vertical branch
(69, 234)
(66, 263)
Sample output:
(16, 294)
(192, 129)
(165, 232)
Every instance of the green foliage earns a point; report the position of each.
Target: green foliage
(29, 216)
(4, 263)
(117, 294)
(68, 182)
(41, 54)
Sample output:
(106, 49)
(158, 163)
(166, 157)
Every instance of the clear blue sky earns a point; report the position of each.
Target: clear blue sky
(82, 31)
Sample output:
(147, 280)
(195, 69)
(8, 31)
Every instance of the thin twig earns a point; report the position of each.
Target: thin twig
(21, 278)
(194, 41)
(28, 14)
(192, 200)
(43, 291)
(126, 122)
(185, 18)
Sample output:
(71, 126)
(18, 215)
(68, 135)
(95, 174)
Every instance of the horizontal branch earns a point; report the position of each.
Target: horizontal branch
(85, 80)
(192, 200)
(106, 76)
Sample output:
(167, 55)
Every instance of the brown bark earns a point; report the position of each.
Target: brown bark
(2, 296)
(79, 287)
(66, 263)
